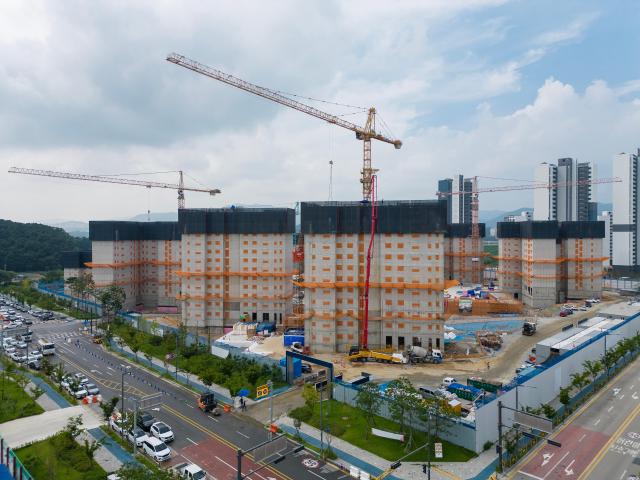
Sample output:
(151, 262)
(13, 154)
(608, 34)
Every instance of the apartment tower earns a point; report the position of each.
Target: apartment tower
(625, 228)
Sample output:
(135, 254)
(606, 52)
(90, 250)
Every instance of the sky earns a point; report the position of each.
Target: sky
(478, 87)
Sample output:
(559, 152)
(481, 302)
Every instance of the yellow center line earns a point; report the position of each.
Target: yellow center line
(219, 438)
(603, 451)
(445, 473)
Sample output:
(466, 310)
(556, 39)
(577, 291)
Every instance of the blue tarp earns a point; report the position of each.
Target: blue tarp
(297, 366)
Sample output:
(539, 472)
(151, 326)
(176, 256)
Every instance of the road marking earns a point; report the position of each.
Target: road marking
(568, 470)
(582, 437)
(557, 463)
(214, 419)
(631, 387)
(623, 474)
(240, 433)
(623, 426)
(191, 440)
(596, 422)
(546, 458)
(610, 408)
(314, 473)
(621, 396)
(109, 368)
(530, 475)
(190, 406)
(635, 395)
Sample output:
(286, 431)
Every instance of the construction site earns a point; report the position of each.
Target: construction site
(369, 279)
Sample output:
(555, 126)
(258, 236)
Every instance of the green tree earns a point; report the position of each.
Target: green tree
(404, 402)
(47, 367)
(133, 471)
(73, 426)
(310, 396)
(112, 299)
(36, 392)
(369, 401)
(53, 276)
(593, 367)
(108, 407)
(579, 380)
(548, 411)
(59, 373)
(564, 396)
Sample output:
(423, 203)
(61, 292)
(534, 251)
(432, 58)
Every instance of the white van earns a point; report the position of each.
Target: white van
(156, 449)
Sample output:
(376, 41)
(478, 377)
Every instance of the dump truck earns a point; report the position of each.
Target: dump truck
(529, 328)
(190, 471)
(422, 355)
(357, 354)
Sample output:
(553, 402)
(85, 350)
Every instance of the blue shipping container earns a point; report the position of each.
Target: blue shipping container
(290, 339)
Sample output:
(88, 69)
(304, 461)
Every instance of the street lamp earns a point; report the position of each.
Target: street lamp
(124, 369)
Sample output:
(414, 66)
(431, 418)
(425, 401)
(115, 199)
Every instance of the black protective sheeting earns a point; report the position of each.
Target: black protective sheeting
(582, 230)
(111, 231)
(237, 220)
(419, 216)
(463, 230)
(508, 230)
(75, 259)
(547, 229)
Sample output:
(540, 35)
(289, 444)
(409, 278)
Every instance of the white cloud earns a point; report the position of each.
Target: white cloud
(572, 31)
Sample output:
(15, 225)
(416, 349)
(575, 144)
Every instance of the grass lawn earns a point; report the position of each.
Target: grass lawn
(16, 403)
(60, 456)
(355, 429)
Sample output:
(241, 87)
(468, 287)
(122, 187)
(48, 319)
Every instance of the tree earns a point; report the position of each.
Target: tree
(403, 406)
(109, 407)
(47, 367)
(36, 392)
(73, 426)
(548, 411)
(310, 396)
(564, 396)
(112, 299)
(368, 400)
(59, 373)
(579, 380)
(91, 446)
(593, 368)
(133, 471)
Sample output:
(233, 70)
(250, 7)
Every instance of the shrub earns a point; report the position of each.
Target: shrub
(330, 454)
(301, 413)
(487, 445)
(337, 430)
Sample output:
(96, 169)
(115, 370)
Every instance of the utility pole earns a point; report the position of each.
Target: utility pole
(321, 428)
(429, 444)
(270, 387)
(500, 436)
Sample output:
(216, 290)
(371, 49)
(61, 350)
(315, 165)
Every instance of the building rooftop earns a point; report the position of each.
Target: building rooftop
(621, 310)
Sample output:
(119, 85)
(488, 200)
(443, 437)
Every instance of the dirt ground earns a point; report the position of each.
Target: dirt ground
(499, 366)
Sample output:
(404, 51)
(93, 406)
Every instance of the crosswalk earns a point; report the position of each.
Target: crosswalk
(60, 336)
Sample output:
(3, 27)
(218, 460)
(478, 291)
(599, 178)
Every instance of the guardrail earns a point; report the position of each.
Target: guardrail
(10, 460)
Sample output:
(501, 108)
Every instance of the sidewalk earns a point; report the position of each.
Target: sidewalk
(478, 468)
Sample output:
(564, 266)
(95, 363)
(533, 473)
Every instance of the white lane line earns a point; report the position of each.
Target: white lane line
(109, 368)
(235, 470)
(191, 441)
(190, 406)
(621, 396)
(582, 437)
(530, 475)
(314, 473)
(109, 373)
(214, 419)
(623, 474)
(240, 433)
(631, 387)
(610, 408)
(596, 422)
(558, 463)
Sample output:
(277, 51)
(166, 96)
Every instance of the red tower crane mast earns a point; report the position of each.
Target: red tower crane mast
(364, 343)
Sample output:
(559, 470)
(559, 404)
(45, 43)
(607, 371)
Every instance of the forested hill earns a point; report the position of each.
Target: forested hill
(29, 247)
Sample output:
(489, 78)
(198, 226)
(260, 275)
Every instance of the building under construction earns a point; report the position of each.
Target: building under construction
(406, 280)
(548, 262)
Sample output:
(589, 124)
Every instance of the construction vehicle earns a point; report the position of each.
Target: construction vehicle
(417, 354)
(208, 403)
(529, 328)
(357, 354)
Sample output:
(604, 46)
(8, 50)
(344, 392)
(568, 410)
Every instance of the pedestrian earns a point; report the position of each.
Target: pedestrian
(243, 405)
(488, 366)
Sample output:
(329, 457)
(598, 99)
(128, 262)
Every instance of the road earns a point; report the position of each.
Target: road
(199, 438)
(602, 442)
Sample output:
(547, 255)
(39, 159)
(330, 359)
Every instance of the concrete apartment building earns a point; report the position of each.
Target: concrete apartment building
(458, 206)
(566, 201)
(74, 265)
(463, 260)
(548, 262)
(235, 262)
(625, 227)
(407, 274)
(140, 257)
(607, 242)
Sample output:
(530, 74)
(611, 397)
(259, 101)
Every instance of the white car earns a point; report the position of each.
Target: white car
(35, 355)
(81, 379)
(447, 381)
(115, 422)
(22, 345)
(162, 431)
(19, 357)
(91, 389)
(156, 449)
(80, 392)
(138, 435)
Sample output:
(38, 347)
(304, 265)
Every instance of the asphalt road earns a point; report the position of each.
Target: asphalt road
(199, 438)
(600, 443)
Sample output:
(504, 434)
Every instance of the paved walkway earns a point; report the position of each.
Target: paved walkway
(22, 431)
(478, 468)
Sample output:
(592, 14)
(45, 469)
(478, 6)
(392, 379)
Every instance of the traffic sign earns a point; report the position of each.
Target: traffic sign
(438, 450)
(262, 391)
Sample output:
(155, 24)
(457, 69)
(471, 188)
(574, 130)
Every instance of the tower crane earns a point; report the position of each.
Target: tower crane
(366, 133)
(475, 208)
(123, 181)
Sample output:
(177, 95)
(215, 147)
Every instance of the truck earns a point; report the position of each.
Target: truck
(190, 471)
(465, 305)
(529, 328)
(208, 403)
(357, 354)
(422, 355)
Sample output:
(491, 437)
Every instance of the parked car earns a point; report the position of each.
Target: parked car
(35, 355)
(145, 420)
(162, 431)
(81, 378)
(19, 357)
(115, 422)
(448, 381)
(138, 435)
(80, 392)
(92, 389)
(22, 345)
(306, 368)
(35, 364)
(156, 449)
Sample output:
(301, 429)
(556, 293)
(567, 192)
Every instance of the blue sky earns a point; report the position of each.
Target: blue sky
(480, 87)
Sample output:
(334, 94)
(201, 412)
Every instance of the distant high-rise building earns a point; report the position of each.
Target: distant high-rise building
(566, 200)
(459, 205)
(607, 243)
(625, 228)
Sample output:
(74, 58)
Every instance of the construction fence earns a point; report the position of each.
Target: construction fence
(11, 463)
